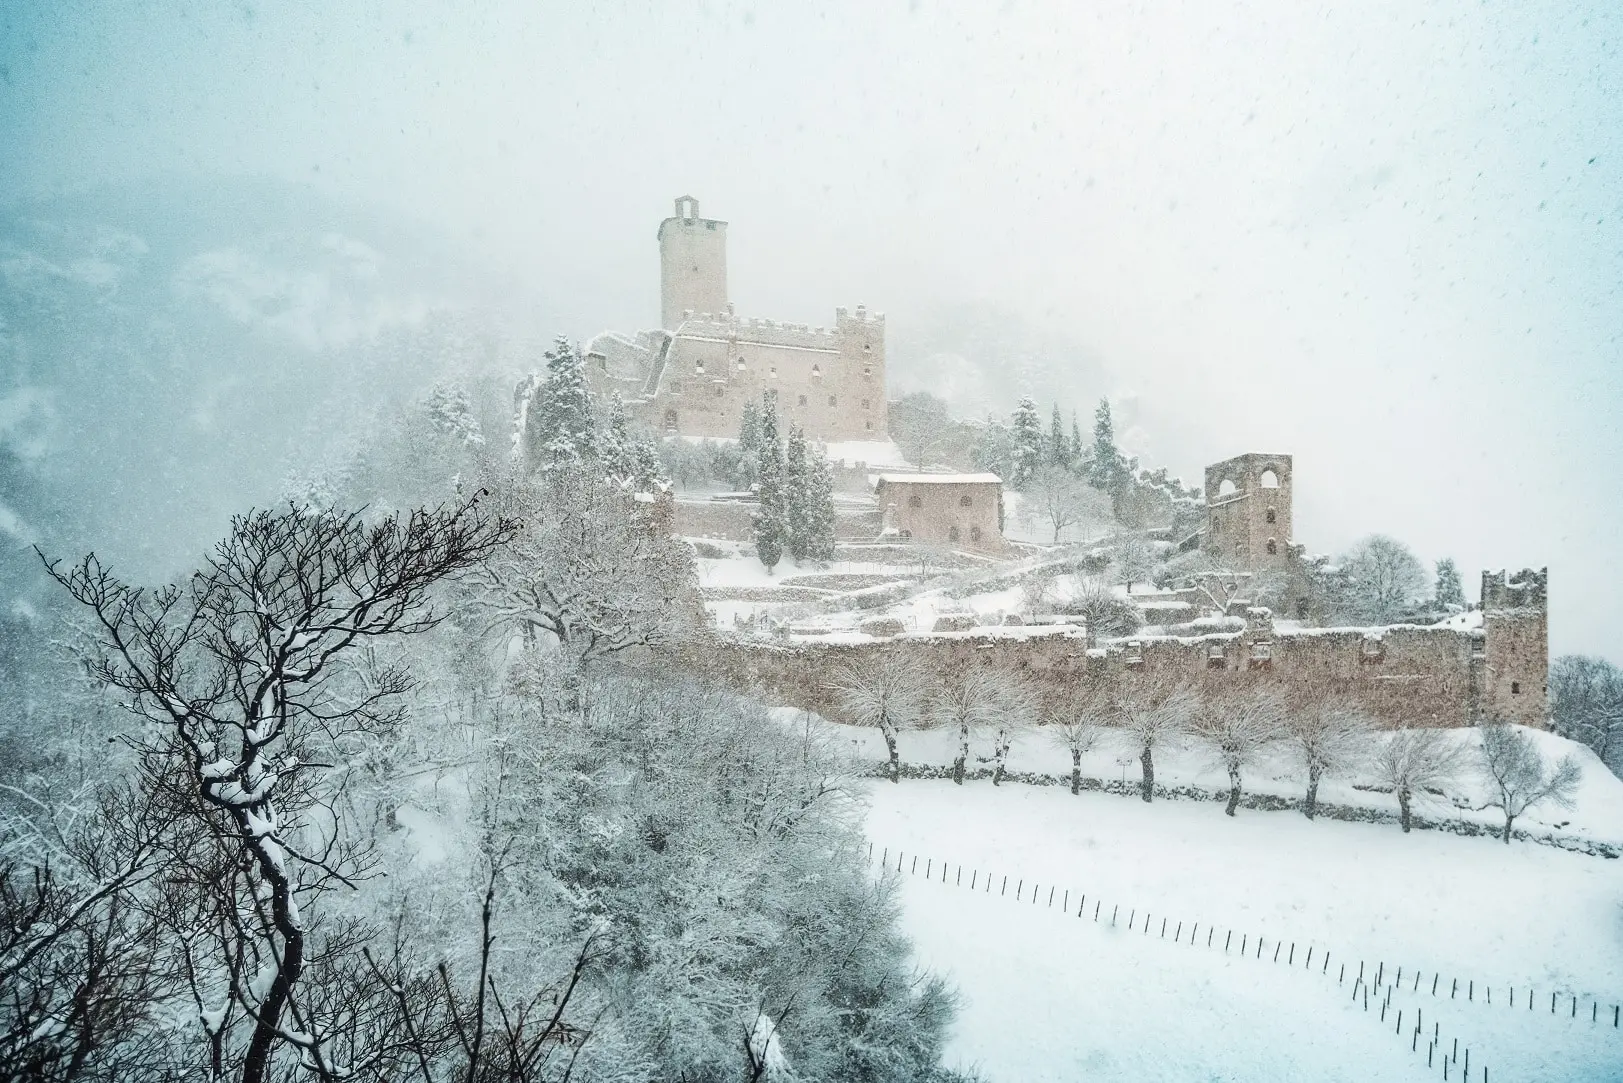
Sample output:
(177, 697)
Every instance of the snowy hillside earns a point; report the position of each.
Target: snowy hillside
(1049, 995)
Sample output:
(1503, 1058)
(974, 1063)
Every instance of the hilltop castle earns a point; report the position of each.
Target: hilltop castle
(693, 375)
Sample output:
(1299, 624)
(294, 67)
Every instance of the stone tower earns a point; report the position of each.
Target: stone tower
(1515, 647)
(1248, 510)
(692, 265)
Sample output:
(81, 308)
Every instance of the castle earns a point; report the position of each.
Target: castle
(693, 375)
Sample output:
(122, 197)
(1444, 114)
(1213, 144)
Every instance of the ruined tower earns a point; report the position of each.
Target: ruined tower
(1515, 652)
(692, 265)
(1248, 510)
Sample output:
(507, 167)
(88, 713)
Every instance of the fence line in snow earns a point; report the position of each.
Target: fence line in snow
(1455, 1060)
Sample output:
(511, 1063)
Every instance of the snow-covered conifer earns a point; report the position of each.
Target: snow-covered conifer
(1058, 448)
(559, 427)
(1027, 444)
(796, 493)
(1450, 591)
(771, 518)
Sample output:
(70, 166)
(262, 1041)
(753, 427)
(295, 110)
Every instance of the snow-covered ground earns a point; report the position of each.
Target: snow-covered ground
(1050, 995)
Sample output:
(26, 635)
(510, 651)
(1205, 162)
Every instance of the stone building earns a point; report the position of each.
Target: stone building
(962, 510)
(1248, 510)
(1515, 646)
(693, 376)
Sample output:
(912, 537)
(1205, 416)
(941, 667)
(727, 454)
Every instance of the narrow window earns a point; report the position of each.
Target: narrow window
(740, 364)
(831, 400)
(1272, 516)
(698, 368)
(1515, 688)
(1273, 548)
(974, 533)
(868, 425)
(774, 372)
(817, 372)
(867, 370)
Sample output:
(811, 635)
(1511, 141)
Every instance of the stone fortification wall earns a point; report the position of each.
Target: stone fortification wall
(1405, 676)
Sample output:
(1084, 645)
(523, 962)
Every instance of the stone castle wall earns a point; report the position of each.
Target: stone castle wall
(1404, 676)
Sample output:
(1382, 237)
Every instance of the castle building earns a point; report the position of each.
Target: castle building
(1248, 510)
(693, 375)
(961, 510)
(1513, 655)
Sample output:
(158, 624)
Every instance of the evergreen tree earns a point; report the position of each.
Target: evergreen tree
(820, 511)
(1059, 448)
(1109, 471)
(771, 527)
(749, 446)
(994, 452)
(1027, 438)
(796, 493)
(616, 449)
(1450, 591)
(558, 422)
(1078, 449)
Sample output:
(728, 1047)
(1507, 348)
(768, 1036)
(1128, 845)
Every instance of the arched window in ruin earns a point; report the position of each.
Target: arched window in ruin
(740, 364)
(817, 372)
(1272, 516)
(1273, 548)
(965, 501)
(915, 501)
(974, 533)
(952, 534)
(1228, 488)
(1269, 479)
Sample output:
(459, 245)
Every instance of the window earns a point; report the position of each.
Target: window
(740, 364)
(774, 372)
(965, 501)
(974, 533)
(801, 401)
(952, 534)
(1515, 688)
(914, 501)
(1269, 479)
(698, 368)
(1272, 516)
(670, 420)
(817, 372)
(831, 400)
(868, 425)
(1228, 488)
(1273, 548)
(867, 370)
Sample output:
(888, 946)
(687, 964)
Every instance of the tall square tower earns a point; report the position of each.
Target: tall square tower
(1248, 510)
(692, 265)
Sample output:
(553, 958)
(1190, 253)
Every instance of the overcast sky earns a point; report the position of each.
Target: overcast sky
(1386, 238)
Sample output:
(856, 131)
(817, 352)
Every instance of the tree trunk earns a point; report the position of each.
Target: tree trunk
(256, 1061)
(1509, 819)
(1146, 788)
(1234, 791)
(963, 756)
(895, 760)
(1076, 771)
(1403, 807)
(1312, 805)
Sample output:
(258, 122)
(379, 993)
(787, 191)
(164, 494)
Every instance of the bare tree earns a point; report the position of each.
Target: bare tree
(1384, 578)
(1074, 715)
(1236, 727)
(1517, 776)
(1057, 498)
(1135, 560)
(1151, 713)
(971, 699)
(1225, 585)
(1413, 761)
(247, 680)
(594, 566)
(1586, 705)
(885, 694)
(1326, 735)
(1015, 712)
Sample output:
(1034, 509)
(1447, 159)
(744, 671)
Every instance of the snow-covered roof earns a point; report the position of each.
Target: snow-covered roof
(939, 479)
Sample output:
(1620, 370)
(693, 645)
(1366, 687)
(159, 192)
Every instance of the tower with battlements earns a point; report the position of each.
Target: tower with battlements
(692, 264)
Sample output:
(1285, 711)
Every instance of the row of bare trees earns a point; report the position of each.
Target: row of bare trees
(1237, 725)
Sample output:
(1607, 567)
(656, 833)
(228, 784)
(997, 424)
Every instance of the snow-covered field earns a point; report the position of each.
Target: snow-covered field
(1050, 995)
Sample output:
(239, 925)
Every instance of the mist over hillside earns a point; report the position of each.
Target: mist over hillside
(169, 351)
